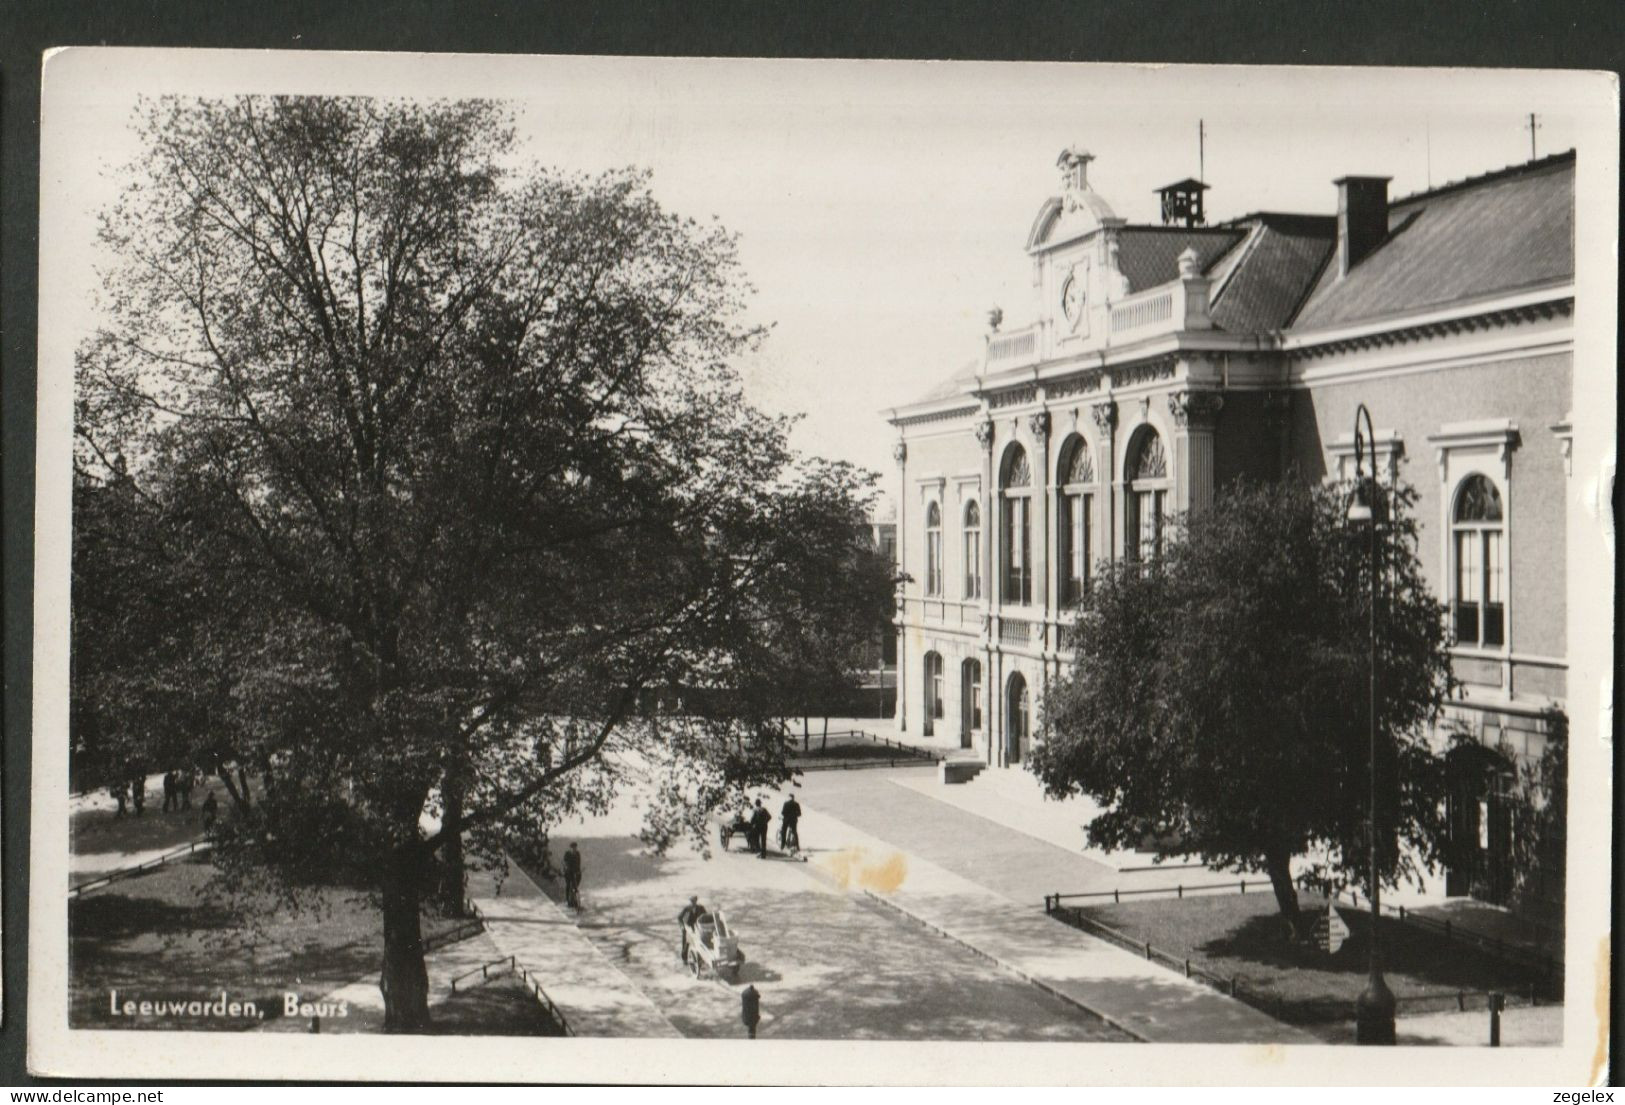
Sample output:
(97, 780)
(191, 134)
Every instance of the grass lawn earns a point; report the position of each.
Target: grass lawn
(1239, 935)
(157, 936)
(99, 831)
(502, 1007)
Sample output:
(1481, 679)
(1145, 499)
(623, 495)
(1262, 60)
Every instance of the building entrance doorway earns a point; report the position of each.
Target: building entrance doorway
(1016, 718)
(970, 701)
(933, 693)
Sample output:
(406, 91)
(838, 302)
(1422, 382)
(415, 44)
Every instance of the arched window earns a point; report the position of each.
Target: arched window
(1017, 717)
(1478, 587)
(933, 691)
(1077, 480)
(1146, 497)
(933, 550)
(1016, 526)
(973, 550)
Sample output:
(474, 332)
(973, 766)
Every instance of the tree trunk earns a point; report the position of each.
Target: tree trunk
(453, 879)
(1278, 863)
(405, 980)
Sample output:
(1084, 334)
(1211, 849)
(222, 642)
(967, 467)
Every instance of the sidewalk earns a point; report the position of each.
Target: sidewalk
(594, 996)
(1146, 1000)
(1015, 799)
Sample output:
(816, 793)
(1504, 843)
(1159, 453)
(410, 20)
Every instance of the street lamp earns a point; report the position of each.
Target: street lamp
(1374, 1011)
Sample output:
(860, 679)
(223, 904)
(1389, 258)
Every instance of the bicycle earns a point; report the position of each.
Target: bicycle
(789, 838)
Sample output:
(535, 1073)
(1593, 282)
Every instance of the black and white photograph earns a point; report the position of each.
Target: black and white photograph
(639, 569)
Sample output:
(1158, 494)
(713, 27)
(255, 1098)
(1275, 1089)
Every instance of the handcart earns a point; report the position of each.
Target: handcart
(713, 947)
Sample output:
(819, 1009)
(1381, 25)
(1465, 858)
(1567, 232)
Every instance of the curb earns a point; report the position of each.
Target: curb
(1023, 975)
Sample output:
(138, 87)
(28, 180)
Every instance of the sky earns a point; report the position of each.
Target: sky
(882, 207)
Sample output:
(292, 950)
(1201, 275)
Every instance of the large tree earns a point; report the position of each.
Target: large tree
(1218, 698)
(444, 471)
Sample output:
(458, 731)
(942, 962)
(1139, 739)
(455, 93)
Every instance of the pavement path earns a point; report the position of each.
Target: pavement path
(1014, 864)
(596, 998)
(827, 967)
(828, 962)
(1149, 1001)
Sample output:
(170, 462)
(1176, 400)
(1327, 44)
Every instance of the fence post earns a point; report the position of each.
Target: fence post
(1232, 985)
(1148, 949)
(1495, 1019)
(1179, 890)
(1401, 913)
(1115, 896)
(1187, 968)
(1244, 886)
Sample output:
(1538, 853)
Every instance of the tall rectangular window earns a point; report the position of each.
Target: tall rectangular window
(1075, 546)
(1467, 586)
(1018, 578)
(1148, 507)
(1494, 608)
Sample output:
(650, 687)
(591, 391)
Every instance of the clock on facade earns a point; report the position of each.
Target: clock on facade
(1072, 297)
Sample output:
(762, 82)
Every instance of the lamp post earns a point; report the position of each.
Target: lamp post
(1374, 1010)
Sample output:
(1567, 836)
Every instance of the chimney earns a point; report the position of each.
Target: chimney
(1362, 218)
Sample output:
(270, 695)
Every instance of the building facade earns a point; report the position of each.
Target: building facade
(1166, 360)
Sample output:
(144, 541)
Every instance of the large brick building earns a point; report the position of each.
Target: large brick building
(1166, 360)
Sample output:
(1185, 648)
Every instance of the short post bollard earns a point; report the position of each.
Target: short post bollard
(1496, 1000)
(316, 1025)
(750, 1009)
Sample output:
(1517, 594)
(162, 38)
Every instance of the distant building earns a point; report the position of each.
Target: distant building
(1167, 360)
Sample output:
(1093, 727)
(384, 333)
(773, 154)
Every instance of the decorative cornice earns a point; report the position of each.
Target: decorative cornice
(934, 416)
(1144, 372)
(1011, 397)
(1196, 409)
(1081, 384)
(1402, 335)
(1105, 416)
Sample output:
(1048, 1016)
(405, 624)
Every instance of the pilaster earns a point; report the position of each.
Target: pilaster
(1111, 491)
(1195, 415)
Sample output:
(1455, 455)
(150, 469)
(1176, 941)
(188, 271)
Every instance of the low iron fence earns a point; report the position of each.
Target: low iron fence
(484, 970)
(1547, 966)
(855, 748)
(540, 995)
(1299, 1011)
(524, 974)
(185, 850)
(455, 934)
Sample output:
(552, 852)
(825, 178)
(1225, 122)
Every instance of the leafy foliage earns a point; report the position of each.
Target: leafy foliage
(438, 475)
(1218, 700)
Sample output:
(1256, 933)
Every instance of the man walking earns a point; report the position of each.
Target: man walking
(572, 876)
(692, 912)
(789, 822)
(758, 823)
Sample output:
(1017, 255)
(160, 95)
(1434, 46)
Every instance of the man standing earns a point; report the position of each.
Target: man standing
(691, 912)
(210, 807)
(789, 820)
(170, 802)
(758, 823)
(572, 876)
